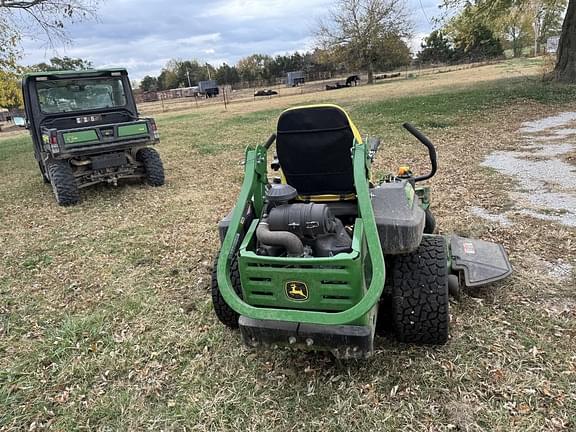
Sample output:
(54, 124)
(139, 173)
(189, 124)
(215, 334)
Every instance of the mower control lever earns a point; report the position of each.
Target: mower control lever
(270, 141)
(431, 150)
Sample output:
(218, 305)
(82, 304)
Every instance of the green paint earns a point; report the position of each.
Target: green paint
(423, 193)
(365, 265)
(80, 137)
(133, 129)
(87, 72)
(334, 284)
(409, 191)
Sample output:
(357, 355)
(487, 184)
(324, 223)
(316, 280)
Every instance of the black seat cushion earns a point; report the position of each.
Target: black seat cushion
(314, 146)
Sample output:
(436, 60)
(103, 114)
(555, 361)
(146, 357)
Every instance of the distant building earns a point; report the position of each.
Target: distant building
(295, 78)
(208, 88)
(552, 44)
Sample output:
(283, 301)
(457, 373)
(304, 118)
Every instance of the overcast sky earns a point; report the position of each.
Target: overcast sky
(142, 35)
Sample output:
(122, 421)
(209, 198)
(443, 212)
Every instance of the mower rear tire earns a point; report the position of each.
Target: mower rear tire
(153, 167)
(420, 293)
(63, 182)
(226, 315)
(430, 224)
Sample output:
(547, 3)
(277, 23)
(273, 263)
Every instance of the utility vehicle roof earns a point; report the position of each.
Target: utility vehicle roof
(74, 73)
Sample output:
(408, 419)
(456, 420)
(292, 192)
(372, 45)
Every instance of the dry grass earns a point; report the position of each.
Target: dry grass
(429, 81)
(106, 322)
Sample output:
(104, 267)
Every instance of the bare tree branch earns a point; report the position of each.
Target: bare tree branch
(34, 18)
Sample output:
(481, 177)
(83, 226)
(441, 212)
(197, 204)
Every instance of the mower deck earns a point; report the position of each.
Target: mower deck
(480, 261)
(343, 341)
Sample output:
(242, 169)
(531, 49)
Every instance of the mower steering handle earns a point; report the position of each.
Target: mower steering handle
(270, 141)
(431, 150)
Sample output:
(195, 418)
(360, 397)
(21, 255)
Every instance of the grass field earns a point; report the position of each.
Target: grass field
(106, 321)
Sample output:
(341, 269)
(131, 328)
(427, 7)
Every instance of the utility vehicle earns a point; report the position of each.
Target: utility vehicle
(86, 129)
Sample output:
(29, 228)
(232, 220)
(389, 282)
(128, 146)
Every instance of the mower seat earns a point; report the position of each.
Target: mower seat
(314, 146)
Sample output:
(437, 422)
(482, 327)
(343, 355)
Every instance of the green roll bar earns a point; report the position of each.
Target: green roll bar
(253, 187)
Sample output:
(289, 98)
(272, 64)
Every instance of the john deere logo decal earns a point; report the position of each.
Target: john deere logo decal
(297, 291)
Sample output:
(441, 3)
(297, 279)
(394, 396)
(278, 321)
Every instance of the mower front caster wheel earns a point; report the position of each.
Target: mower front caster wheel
(225, 314)
(420, 293)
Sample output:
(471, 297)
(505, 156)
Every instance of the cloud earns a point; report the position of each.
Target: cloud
(143, 35)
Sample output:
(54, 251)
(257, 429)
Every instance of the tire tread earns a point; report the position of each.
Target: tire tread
(153, 167)
(226, 315)
(63, 182)
(420, 300)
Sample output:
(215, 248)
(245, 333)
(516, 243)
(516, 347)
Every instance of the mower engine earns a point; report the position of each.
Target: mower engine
(299, 229)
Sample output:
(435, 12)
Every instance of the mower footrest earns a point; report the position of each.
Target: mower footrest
(343, 341)
(481, 262)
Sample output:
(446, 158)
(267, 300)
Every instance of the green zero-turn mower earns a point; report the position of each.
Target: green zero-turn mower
(322, 259)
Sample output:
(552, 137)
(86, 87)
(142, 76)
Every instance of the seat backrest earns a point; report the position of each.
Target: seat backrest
(314, 147)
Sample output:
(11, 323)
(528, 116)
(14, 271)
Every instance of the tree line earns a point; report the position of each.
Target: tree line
(354, 35)
(256, 68)
(478, 31)
(358, 35)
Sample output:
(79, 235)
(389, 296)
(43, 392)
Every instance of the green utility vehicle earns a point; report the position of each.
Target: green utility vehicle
(86, 129)
(323, 259)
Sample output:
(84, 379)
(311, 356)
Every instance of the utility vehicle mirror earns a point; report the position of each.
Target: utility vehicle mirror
(19, 121)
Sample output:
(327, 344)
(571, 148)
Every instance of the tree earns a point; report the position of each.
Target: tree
(565, 70)
(10, 93)
(366, 34)
(436, 48)
(64, 63)
(38, 19)
(255, 67)
(546, 17)
(167, 80)
(227, 74)
(516, 28)
(479, 44)
(149, 83)
(473, 39)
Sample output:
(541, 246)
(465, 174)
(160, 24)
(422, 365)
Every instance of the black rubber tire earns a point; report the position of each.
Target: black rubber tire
(45, 178)
(153, 168)
(385, 321)
(420, 293)
(63, 182)
(430, 224)
(226, 315)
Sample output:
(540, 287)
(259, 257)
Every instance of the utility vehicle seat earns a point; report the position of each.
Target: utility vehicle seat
(314, 146)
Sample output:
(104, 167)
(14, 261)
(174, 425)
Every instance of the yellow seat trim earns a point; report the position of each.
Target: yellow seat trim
(355, 130)
(326, 198)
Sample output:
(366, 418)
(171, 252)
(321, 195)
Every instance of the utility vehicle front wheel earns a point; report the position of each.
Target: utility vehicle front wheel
(226, 315)
(63, 182)
(420, 293)
(153, 168)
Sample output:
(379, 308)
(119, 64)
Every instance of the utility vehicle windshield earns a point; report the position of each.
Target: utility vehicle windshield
(80, 94)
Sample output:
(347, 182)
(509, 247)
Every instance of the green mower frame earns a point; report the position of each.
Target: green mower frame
(252, 192)
(292, 272)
